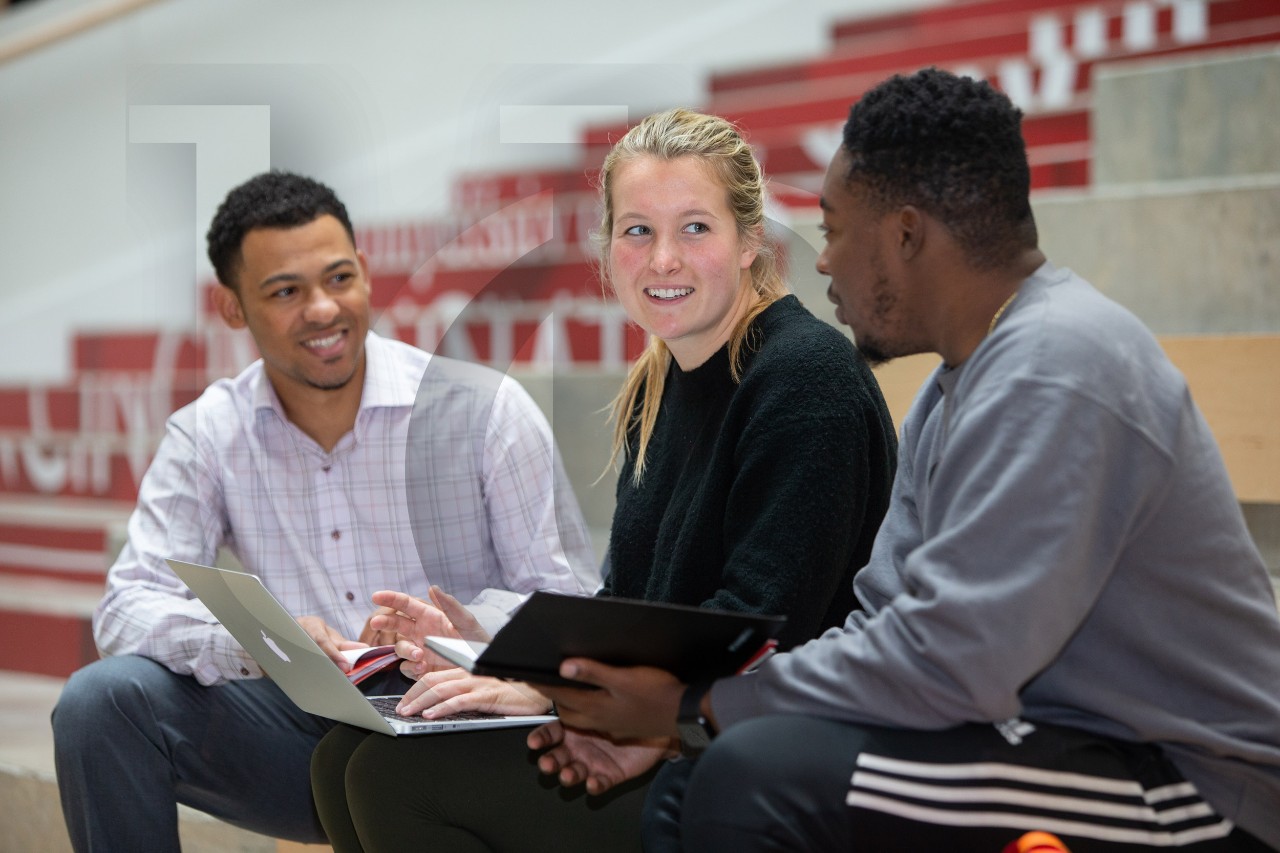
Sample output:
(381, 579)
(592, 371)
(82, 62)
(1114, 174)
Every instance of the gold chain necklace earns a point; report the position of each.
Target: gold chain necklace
(1000, 312)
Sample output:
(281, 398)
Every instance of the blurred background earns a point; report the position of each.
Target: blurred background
(463, 139)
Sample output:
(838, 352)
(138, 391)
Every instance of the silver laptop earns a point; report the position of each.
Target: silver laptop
(305, 673)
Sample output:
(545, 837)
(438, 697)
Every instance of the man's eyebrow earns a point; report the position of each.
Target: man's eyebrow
(278, 278)
(292, 276)
(341, 262)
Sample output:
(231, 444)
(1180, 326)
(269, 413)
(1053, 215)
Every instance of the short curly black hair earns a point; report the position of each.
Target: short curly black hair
(952, 146)
(274, 199)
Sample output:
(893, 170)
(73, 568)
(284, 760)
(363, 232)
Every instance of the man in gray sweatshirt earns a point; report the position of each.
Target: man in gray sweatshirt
(1066, 625)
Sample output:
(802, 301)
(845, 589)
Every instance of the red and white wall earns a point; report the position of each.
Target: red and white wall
(463, 140)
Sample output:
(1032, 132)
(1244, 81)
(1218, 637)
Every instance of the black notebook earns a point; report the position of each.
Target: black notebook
(693, 643)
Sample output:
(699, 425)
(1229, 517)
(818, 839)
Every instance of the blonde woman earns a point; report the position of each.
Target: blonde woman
(756, 458)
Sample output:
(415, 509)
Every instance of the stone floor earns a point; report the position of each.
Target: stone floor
(30, 816)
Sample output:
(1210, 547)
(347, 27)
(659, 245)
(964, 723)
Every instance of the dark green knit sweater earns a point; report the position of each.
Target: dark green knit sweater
(764, 495)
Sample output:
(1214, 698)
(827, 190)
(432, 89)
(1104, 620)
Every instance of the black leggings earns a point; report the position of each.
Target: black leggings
(461, 792)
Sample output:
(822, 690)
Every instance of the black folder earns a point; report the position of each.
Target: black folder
(693, 643)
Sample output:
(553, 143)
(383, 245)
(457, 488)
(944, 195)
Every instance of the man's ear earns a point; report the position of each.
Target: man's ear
(910, 227)
(364, 269)
(229, 306)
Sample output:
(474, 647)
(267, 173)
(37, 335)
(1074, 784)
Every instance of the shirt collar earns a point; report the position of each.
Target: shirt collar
(389, 382)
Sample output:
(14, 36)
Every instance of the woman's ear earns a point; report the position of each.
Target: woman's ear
(229, 306)
(752, 240)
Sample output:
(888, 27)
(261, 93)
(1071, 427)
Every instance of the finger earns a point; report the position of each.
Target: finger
(369, 633)
(571, 701)
(574, 774)
(412, 671)
(331, 650)
(437, 662)
(548, 765)
(400, 602)
(462, 619)
(415, 699)
(457, 673)
(545, 736)
(572, 717)
(383, 634)
(597, 785)
(433, 623)
(588, 671)
(408, 650)
(397, 624)
(425, 696)
(567, 696)
(326, 638)
(423, 618)
(457, 705)
(558, 762)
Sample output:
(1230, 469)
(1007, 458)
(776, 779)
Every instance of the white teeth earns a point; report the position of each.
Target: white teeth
(321, 343)
(668, 292)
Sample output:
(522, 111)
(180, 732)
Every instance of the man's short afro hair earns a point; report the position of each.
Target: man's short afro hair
(272, 199)
(953, 147)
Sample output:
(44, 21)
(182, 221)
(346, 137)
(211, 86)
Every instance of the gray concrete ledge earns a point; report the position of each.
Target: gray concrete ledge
(1189, 257)
(1205, 115)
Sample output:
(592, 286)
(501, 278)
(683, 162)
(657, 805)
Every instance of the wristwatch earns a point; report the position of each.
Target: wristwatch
(694, 727)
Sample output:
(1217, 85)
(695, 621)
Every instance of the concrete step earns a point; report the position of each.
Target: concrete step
(43, 537)
(967, 32)
(30, 811)
(1188, 118)
(73, 552)
(878, 32)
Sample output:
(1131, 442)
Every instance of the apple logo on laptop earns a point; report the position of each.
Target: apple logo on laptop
(271, 644)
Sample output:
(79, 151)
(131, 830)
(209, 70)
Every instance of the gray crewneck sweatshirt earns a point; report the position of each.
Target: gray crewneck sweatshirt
(1062, 544)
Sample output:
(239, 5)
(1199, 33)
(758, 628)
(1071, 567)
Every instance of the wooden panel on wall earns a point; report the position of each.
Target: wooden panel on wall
(1235, 380)
(901, 378)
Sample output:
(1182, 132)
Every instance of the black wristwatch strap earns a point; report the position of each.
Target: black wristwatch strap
(695, 729)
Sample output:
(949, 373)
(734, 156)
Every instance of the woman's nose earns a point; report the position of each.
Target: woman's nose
(665, 258)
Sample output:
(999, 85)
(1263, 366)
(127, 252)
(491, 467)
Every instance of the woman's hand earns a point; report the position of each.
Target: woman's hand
(451, 691)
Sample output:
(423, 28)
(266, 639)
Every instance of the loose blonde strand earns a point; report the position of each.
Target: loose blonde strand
(648, 374)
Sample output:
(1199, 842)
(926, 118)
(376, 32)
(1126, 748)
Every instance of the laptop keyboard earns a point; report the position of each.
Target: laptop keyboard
(386, 706)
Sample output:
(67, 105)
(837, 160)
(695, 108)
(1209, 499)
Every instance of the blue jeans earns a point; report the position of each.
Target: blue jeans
(132, 740)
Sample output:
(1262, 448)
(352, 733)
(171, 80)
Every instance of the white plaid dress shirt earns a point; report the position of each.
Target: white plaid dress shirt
(450, 476)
